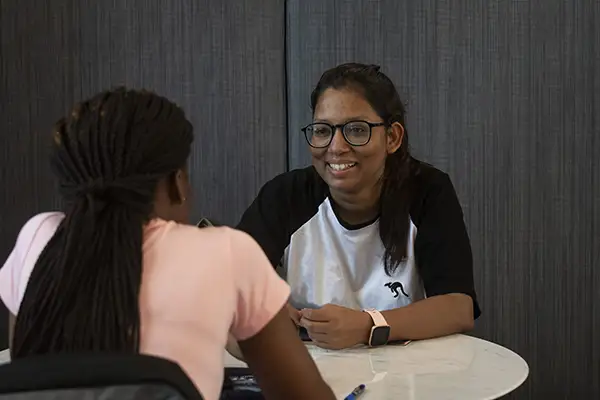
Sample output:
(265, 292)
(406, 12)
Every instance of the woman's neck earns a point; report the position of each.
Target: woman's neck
(356, 208)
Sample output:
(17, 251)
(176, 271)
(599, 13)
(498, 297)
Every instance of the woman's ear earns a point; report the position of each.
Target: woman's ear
(395, 135)
(183, 185)
(178, 187)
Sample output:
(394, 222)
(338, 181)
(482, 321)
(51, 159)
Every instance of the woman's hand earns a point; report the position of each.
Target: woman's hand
(336, 327)
(294, 314)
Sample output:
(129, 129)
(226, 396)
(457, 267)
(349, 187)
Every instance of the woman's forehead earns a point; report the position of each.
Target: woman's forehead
(338, 106)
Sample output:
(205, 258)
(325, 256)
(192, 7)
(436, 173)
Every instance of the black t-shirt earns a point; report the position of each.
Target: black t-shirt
(325, 260)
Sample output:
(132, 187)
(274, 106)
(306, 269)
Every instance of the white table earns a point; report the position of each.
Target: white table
(454, 367)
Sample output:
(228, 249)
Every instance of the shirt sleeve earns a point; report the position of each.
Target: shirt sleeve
(15, 272)
(9, 279)
(442, 247)
(267, 218)
(261, 293)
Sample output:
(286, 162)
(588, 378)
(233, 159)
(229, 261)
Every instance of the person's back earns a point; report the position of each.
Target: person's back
(116, 272)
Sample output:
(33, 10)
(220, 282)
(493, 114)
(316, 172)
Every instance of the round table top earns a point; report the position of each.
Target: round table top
(453, 367)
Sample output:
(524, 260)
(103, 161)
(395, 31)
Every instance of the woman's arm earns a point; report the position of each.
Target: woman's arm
(233, 347)
(263, 328)
(445, 262)
(336, 327)
(281, 363)
(433, 317)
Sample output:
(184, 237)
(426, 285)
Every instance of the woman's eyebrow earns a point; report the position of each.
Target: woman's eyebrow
(354, 118)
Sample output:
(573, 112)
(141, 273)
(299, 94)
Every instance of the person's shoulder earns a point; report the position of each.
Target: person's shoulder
(298, 185)
(193, 237)
(184, 237)
(222, 245)
(31, 240)
(39, 227)
(431, 187)
(45, 218)
(428, 178)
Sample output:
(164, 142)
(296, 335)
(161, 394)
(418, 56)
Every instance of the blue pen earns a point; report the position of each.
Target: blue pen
(356, 392)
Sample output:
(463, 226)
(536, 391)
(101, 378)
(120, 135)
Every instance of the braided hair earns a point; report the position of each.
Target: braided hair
(109, 155)
(400, 167)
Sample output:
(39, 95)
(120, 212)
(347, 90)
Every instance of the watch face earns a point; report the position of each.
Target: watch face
(379, 335)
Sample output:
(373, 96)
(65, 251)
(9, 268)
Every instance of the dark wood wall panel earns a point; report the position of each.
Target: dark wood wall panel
(222, 61)
(503, 95)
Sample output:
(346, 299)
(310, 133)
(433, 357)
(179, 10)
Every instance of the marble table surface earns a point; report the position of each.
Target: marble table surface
(454, 367)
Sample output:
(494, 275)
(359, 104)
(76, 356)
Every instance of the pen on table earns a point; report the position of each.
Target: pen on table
(355, 393)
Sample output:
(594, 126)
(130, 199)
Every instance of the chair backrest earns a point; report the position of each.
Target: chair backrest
(207, 222)
(95, 376)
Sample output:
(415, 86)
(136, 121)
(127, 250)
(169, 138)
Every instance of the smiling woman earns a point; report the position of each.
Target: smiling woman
(371, 240)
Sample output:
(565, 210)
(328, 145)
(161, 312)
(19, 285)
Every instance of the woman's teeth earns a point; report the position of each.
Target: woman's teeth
(341, 167)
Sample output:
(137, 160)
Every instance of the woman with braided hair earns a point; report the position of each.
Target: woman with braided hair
(121, 271)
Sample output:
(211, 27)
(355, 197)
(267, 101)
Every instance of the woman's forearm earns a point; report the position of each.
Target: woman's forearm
(433, 317)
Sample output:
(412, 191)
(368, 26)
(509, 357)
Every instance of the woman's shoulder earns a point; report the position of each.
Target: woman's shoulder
(32, 239)
(297, 184)
(190, 238)
(183, 235)
(427, 176)
(431, 188)
(39, 227)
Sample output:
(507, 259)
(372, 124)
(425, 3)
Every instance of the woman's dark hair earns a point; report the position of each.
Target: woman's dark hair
(109, 155)
(400, 167)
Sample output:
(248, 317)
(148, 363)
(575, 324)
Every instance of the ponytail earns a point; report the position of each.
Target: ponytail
(109, 155)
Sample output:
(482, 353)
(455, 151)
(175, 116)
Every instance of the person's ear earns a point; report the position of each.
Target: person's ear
(178, 187)
(395, 135)
(183, 185)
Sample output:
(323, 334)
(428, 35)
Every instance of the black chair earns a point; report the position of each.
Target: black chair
(207, 222)
(95, 376)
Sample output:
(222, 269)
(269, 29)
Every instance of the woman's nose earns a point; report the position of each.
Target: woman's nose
(338, 142)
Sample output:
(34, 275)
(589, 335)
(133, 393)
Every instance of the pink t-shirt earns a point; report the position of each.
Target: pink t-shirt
(198, 286)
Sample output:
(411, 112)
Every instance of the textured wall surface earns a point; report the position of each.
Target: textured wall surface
(504, 96)
(222, 61)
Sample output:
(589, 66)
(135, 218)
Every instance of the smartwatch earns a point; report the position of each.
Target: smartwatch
(380, 332)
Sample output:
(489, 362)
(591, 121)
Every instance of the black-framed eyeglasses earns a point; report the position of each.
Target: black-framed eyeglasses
(356, 133)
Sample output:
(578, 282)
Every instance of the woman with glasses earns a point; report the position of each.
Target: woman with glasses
(371, 240)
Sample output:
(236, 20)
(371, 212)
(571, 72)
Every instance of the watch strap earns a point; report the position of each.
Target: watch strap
(377, 317)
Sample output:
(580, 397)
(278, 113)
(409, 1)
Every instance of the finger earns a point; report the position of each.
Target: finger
(315, 326)
(294, 314)
(319, 337)
(320, 340)
(322, 314)
(295, 318)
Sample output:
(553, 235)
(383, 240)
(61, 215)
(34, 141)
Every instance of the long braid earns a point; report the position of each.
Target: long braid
(109, 156)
